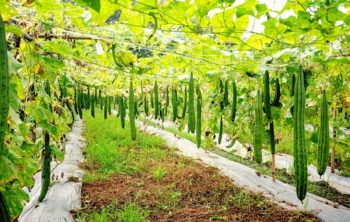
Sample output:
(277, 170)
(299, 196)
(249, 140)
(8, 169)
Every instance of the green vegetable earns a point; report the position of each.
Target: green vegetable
(110, 105)
(300, 158)
(156, 100)
(226, 101)
(199, 117)
(221, 88)
(80, 104)
(122, 112)
(93, 107)
(46, 169)
(276, 100)
(191, 112)
(270, 121)
(105, 107)
(167, 101)
(4, 108)
(174, 103)
(152, 100)
(145, 104)
(185, 105)
(88, 99)
(234, 101)
(323, 141)
(4, 211)
(221, 127)
(132, 111)
(258, 129)
(76, 101)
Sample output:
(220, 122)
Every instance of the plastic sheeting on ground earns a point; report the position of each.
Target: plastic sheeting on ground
(64, 193)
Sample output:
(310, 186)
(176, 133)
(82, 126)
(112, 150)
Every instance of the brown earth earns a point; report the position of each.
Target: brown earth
(188, 192)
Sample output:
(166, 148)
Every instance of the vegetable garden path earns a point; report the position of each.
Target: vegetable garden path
(243, 176)
(65, 194)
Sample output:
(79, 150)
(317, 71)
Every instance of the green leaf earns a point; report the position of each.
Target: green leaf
(93, 4)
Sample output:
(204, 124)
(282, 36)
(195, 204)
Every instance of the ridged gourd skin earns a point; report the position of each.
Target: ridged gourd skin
(76, 101)
(4, 108)
(226, 101)
(145, 104)
(185, 105)
(234, 102)
(300, 156)
(199, 117)
(80, 103)
(105, 110)
(152, 100)
(268, 110)
(122, 112)
(258, 129)
(221, 128)
(156, 100)
(221, 91)
(174, 103)
(323, 141)
(93, 107)
(167, 101)
(277, 98)
(132, 111)
(191, 110)
(88, 98)
(110, 105)
(46, 169)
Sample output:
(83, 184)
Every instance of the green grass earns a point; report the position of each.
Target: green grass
(130, 213)
(111, 149)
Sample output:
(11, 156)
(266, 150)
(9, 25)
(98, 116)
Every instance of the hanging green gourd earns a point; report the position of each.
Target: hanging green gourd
(156, 100)
(4, 108)
(185, 105)
(191, 110)
(221, 92)
(122, 112)
(95, 96)
(152, 99)
(300, 158)
(174, 103)
(258, 129)
(145, 104)
(105, 107)
(76, 101)
(199, 117)
(93, 107)
(270, 121)
(80, 104)
(110, 105)
(234, 102)
(88, 99)
(226, 101)
(132, 111)
(323, 141)
(221, 128)
(276, 100)
(167, 101)
(46, 169)
(136, 108)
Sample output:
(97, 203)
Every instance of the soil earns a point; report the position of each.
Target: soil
(188, 192)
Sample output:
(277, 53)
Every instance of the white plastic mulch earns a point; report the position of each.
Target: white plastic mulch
(285, 161)
(64, 194)
(245, 177)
